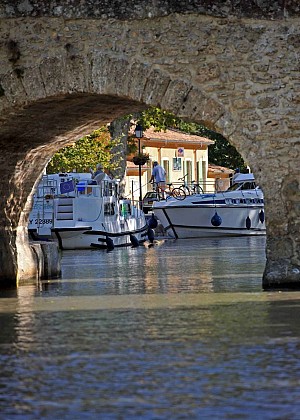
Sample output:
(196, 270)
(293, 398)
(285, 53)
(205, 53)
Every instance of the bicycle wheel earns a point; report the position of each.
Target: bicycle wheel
(178, 193)
(198, 190)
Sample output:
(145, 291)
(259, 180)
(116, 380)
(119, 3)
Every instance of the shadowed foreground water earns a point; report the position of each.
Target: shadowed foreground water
(180, 330)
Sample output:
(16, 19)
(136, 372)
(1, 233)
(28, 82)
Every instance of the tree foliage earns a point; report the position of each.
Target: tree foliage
(86, 153)
(97, 147)
(157, 118)
(152, 117)
(221, 152)
(224, 154)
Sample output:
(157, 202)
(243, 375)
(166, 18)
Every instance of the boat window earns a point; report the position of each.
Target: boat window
(108, 188)
(125, 209)
(248, 186)
(115, 189)
(109, 209)
(234, 187)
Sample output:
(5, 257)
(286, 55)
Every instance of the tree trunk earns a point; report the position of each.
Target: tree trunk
(119, 129)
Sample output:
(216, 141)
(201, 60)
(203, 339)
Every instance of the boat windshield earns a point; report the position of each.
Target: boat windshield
(248, 185)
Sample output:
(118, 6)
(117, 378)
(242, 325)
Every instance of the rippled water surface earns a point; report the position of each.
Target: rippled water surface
(179, 330)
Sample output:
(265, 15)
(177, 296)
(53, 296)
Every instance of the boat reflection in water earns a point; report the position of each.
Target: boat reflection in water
(179, 330)
(236, 212)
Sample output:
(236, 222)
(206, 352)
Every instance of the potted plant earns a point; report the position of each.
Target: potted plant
(140, 158)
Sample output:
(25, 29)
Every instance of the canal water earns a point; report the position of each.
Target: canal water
(180, 330)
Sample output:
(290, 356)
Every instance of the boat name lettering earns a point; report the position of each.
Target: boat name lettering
(40, 221)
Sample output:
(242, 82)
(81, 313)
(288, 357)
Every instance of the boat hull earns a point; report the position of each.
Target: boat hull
(196, 221)
(69, 238)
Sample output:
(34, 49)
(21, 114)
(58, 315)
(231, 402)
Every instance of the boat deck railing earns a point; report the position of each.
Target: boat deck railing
(193, 187)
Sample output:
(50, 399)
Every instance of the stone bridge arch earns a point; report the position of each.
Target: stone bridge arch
(66, 70)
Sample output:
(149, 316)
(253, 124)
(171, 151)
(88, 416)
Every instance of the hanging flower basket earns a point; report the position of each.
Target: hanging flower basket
(140, 159)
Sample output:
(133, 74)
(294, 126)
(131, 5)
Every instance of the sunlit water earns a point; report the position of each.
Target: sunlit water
(180, 330)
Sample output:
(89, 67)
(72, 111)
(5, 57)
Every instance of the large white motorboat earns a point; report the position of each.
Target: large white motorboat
(234, 212)
(81, 213)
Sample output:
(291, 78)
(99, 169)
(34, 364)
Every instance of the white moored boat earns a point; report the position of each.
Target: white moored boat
(234, 212)
(79, 213)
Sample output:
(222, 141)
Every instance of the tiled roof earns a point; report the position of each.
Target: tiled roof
(219, 169)
(173, 135)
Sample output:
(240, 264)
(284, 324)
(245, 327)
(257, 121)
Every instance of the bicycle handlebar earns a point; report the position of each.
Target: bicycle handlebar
(183, 178)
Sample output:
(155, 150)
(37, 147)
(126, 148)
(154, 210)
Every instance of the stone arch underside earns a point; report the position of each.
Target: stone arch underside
(29, 138)
(230, 74)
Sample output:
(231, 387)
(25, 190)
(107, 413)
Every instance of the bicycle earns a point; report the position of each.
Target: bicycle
(172, 191)
(176, 192)
(195, 189)
(185, 186)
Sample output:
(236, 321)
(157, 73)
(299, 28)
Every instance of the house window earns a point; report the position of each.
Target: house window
(204, 175)
(166, 167)
(204, 170)
(199, 171)
(188, 171)
(177, 164)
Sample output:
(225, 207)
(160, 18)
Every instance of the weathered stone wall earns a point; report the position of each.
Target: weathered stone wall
(145, 9)
(66, 70)
(48, 259)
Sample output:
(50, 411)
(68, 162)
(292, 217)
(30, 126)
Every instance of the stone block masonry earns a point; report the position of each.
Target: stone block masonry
(48, 259)
(66, 69)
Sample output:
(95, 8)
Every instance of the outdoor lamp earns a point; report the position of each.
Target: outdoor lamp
(138, 131)
(139, 134)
